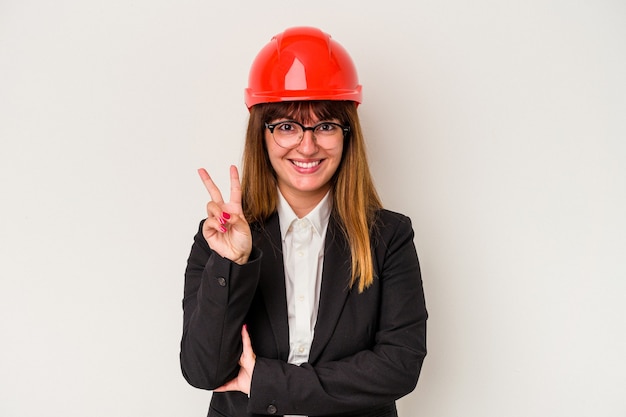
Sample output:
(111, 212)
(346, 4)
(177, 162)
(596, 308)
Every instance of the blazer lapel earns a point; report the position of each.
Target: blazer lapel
(335, 287)
(272, 283)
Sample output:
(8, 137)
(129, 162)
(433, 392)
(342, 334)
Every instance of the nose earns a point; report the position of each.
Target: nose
(307, 145)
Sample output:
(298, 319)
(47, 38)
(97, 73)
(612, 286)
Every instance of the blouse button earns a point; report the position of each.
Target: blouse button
(271, 409)
(221, 281)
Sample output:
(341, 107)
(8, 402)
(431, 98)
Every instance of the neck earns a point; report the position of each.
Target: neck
(302, 203)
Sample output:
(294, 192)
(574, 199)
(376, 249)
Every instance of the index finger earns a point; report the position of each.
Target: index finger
(214, 192)
(235, 186)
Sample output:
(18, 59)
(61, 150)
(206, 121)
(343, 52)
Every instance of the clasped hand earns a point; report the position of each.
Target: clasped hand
(247, 360)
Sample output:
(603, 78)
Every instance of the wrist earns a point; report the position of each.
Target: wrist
(242, 260)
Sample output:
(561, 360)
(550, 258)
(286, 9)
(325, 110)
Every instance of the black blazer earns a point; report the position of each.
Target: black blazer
(367, 349)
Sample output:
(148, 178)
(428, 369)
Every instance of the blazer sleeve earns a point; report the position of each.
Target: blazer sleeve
(217, 296)
(381, 374)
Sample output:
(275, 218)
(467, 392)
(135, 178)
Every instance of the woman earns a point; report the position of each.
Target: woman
(303, 296)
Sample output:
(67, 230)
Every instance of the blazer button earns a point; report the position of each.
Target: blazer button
(271, 409)
(221, 281)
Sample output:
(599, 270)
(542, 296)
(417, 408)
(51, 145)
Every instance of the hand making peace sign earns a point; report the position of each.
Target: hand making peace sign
(226, 230)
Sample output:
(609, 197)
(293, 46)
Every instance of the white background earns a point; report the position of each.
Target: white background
(498, 126)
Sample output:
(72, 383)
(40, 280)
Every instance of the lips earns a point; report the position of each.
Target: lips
(306, 165)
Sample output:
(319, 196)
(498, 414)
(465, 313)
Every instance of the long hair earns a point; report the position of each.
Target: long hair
(355, 200)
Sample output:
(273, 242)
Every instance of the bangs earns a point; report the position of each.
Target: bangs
(305, 111)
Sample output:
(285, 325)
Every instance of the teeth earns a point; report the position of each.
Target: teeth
(305, 164)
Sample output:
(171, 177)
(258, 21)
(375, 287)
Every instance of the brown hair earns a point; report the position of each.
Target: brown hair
(355, 200)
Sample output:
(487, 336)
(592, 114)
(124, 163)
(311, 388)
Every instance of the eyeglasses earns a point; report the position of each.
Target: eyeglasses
(289, 133)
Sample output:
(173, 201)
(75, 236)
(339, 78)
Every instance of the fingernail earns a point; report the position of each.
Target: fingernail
(221, 220)
(226, 215)
(222, 229)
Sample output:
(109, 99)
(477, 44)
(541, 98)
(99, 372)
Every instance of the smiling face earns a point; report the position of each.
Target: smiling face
(304, 172)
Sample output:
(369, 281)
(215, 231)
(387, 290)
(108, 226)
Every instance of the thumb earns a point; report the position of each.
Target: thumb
(247, 344)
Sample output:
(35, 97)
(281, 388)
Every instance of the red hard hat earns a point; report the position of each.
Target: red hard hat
(302, 63)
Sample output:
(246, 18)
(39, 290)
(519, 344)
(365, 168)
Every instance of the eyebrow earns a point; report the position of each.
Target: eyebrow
(313, 123)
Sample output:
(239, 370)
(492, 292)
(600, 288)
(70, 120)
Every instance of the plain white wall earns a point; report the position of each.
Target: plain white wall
(497, 126)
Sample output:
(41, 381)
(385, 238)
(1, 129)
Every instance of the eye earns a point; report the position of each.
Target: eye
(326, 128)
(287, 128)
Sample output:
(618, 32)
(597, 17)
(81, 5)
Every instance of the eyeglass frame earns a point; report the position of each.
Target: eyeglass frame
(271, 126)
